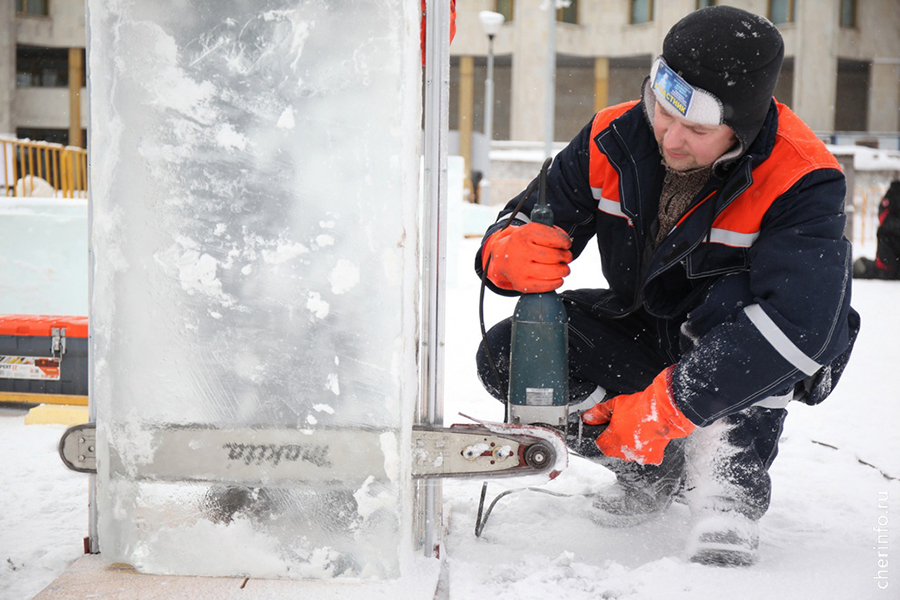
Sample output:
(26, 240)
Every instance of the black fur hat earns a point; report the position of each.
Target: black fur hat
(732, 54)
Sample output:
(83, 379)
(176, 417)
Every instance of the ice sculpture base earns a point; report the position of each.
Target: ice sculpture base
(91, 577)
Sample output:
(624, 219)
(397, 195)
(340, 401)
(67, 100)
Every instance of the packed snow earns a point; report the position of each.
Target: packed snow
(835, 509)
(833, 529)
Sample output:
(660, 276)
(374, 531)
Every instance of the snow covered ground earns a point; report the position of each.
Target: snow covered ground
(832, 517)
(819, 538)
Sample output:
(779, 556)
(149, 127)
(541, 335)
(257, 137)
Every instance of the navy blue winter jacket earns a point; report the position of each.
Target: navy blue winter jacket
(757, 271)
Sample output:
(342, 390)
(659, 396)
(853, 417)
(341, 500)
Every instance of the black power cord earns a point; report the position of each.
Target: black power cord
(528, 192)
(541, 179)
(480, 521)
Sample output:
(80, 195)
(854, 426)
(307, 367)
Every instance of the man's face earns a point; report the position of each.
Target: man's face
(685, 145)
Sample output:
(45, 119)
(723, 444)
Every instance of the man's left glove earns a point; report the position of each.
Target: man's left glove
(640, 425)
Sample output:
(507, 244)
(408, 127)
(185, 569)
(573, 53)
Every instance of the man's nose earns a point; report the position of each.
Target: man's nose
(675, 135)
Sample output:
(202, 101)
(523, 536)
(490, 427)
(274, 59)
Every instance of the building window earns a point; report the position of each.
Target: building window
(781, 11)
(505, 8)
(848, 13)
(641, 11)
(569, 13)
(55, 136)
(31, 7)
(43, 67)
(852, 98)
(705, 3)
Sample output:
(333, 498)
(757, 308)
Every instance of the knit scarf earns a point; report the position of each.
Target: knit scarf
(678, 190)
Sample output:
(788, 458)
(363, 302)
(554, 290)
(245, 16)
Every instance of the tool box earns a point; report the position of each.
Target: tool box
(43, 355)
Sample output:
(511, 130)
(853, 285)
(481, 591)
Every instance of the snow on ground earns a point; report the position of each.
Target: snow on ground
(820, 539)
(43, 507)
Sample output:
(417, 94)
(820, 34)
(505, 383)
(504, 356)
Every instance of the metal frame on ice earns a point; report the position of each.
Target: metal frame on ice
(430, 406)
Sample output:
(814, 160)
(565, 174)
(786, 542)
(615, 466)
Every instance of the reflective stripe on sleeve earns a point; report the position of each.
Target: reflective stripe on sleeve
(780, 341)
(594, 398)
(775, 401)
(732, 238)
(608, 206)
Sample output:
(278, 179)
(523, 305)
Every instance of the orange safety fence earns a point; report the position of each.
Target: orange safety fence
(32, 168)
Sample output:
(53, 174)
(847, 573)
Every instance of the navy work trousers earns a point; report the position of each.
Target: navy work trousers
(623, 356)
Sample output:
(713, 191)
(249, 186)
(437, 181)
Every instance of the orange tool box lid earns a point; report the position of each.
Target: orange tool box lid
(40, 325)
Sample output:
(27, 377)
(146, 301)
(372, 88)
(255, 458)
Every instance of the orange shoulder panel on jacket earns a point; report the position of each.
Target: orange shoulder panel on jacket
(602, 175)
(797, 152)
(798, 137)
(606, 116)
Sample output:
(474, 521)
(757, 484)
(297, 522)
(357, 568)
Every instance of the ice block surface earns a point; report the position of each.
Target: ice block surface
(254, 221)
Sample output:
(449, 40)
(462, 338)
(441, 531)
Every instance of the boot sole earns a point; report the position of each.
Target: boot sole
(724, 557)
(606, 518)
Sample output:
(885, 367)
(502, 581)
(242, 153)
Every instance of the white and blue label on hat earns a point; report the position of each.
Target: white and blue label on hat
(676, 92)
(680, 97)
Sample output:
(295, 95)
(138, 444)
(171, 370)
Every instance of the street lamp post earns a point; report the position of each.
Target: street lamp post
(490, 22)
(550, 81)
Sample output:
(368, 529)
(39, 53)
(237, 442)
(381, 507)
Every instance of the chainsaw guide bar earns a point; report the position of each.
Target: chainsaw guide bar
(271, 455)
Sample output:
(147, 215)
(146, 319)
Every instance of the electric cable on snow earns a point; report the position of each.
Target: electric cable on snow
(481, 522)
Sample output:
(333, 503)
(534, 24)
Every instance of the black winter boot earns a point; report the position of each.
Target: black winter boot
(729, 487)
(642, 492)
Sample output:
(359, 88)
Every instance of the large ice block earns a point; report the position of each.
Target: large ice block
(253, 227)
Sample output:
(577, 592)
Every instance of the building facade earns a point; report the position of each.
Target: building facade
(841, 71)
(42, 70)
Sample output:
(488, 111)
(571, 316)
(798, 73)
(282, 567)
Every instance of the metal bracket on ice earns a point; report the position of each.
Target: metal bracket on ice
(193, 453)
(78, 448)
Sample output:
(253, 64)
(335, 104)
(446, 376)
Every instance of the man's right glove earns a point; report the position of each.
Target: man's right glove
(532, 258)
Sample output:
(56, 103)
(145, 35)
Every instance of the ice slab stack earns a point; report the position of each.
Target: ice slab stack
(254, 171)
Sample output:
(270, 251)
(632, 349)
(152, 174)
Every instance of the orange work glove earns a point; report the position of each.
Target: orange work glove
(532, 258)
(640, 425)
